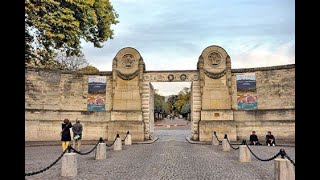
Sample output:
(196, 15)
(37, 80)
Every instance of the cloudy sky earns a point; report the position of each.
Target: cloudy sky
(171, 34)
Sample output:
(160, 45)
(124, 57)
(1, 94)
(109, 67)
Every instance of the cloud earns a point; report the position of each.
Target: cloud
(171, 34)
(170, 88)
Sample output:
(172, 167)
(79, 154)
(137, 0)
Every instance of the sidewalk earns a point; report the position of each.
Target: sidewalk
(288, 143)
(83, 142)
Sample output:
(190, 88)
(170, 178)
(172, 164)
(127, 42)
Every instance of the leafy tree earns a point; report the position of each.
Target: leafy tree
(160, 107)
(88, 70)
(58, 25)
(71, 63)
(185, 110)
(181, 104)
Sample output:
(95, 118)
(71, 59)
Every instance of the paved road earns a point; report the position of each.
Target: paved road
(171, 157)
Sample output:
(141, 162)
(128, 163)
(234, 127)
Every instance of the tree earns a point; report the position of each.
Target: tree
(88, 70)
(58, 25)
(71, 63)
(185, 110)
(181, 104)
(160, 107)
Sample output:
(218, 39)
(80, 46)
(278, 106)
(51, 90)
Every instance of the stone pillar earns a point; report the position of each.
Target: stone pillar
(283, 169)
(214, 140)
(118, 144)
(128, 140)
(101, 152)
(225, 145)
(69, 165)
(244, 154)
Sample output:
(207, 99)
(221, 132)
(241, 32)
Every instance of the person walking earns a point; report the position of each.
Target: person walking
(65, 134)
(77, 134)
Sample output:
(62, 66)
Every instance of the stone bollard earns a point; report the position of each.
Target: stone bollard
(214, 139)
(244, 154)
(225, 145)
(283, 169)
(69, 165)
(118, 144)
(101, 152)
(128, 140)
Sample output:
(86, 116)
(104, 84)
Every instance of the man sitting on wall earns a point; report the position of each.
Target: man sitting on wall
(254, 139)
(270, 139)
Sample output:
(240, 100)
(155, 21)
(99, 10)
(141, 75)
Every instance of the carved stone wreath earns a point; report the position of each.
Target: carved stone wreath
(127, 76)
(215, 75)
(170, 77)
(214, 59)
(127, 60)
(183, 77)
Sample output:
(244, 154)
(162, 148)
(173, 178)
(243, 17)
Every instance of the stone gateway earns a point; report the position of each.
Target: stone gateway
(51, 96)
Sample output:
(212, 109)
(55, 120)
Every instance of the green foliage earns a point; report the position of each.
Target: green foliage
(185, 109)
(88, 70)
(160, 106)
(181, 104)
(58, 25)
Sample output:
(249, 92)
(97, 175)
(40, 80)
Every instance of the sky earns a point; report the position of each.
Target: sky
(171, 34)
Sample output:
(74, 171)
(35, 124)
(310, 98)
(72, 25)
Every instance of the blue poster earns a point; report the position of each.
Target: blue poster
(96, 93)
(246, 91)
(97, 84)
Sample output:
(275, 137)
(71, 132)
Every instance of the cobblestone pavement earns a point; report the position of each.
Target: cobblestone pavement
(171, 157)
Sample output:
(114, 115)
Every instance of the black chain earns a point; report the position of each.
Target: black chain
(231, 145)
(215, 134)
(78, 152)
(272, 158)
(37, 172)
(294, 164)
(112, 142)
(126, 136)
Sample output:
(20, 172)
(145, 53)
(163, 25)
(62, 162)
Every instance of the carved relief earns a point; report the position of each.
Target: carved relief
(183, 77)
(215, 75)
(214, 59)
(127, 60)
(146, 77)
(170, 77)
(196, 77)
(127, 76)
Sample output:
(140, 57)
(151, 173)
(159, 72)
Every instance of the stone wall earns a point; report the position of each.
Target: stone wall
(275, 110)
(51, 96)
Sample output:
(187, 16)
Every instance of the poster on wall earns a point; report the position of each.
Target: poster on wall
(96, 93)
(246, 91)
(96, 103)
(97, 84)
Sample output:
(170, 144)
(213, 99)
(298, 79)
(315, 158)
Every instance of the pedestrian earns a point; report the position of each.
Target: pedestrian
(65, 134)
(270, 140)
(254, 139)
(77, 134)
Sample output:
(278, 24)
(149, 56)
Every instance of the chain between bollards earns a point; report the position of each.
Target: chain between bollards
(126, 136)
(272, 158)
(226, 137)
(44, 169)
(113, 141)
(78, 152)
(215, 134)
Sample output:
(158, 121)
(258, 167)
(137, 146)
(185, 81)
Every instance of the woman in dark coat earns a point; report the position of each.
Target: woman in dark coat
(65, 134)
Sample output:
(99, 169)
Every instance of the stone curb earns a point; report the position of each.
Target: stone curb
(146, 142)
(234, 143)
(89, 142)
